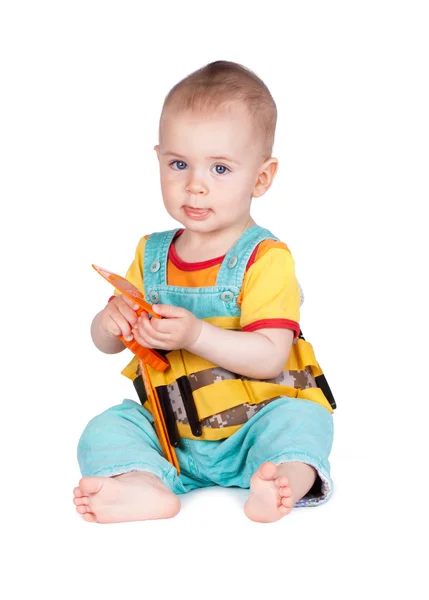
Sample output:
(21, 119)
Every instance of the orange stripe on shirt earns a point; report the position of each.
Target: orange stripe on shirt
(204, 273)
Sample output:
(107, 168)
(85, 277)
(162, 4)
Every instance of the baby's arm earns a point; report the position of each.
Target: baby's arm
(269, 306)
(259, 354)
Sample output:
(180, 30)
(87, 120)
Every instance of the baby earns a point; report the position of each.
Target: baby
(241, 385)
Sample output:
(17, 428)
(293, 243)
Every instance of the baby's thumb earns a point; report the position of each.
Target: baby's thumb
(167, 310)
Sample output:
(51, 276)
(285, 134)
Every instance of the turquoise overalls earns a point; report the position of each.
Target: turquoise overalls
(123, 439)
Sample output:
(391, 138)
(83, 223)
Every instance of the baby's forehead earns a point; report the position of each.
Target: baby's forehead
(226, 112)
(232, 120)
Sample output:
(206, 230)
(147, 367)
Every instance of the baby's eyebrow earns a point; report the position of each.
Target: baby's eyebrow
(176, 154)
(224, 158)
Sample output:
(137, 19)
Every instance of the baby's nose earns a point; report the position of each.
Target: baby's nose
(196, 186)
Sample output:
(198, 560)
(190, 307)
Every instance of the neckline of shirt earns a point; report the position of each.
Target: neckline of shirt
(191, 266)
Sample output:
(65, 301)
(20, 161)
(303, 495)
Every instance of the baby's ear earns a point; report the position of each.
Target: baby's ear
(156, 148)
(267, 172)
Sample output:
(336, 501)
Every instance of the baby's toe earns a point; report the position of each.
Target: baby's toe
(267, 471)
(82, 509)
(287, 502)
(91, 485)
(282, 481)
(89, 517)
(285, 492)
(80, 501)
(78, 492)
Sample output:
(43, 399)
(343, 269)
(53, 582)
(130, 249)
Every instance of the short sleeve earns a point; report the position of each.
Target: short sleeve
(135, 270)
(270, 296)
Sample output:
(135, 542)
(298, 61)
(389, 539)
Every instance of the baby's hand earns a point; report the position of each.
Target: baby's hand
(119, 317)
(179, 329)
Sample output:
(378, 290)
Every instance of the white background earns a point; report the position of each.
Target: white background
(82, 85)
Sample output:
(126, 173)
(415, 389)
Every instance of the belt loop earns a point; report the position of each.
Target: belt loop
(185, 391)
(167, 411)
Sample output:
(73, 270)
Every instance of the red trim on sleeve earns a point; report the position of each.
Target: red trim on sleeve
(274, 324)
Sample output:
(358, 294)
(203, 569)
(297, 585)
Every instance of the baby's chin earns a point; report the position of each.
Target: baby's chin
(200, 226)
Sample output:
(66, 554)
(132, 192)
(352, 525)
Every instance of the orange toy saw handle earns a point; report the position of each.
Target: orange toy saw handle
(148, 356)
(159, 421)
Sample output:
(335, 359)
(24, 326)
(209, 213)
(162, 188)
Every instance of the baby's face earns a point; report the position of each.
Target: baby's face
(209, 165)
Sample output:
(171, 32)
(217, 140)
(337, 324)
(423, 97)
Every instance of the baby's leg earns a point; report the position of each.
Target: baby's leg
(276, 488)
(126, 478)
(285, 449)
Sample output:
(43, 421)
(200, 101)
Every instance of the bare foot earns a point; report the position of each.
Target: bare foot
(135, 496)
(271, 497)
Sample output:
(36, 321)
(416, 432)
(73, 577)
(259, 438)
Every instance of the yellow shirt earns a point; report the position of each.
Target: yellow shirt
(269, 297)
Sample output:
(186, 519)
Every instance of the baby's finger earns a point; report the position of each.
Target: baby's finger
(150, 342)
(130, 302)
(128, 312)
(112, 327)
(162, 325)
(122, 325)
(143, 317)
(144, 340)
(147, 328)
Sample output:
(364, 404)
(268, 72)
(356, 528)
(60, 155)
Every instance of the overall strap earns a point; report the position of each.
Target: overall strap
(233, 268)
(156, 257)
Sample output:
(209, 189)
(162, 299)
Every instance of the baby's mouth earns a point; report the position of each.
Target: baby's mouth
(196, 213)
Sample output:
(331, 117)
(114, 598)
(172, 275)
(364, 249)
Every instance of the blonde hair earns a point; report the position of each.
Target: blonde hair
(220, 83)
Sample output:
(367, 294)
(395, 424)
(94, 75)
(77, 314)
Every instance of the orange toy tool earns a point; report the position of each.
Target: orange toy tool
(158, 417)
(146, 356)
(150, 357)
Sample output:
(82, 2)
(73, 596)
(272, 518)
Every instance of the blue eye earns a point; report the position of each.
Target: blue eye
(221, 170)
(180, 165)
